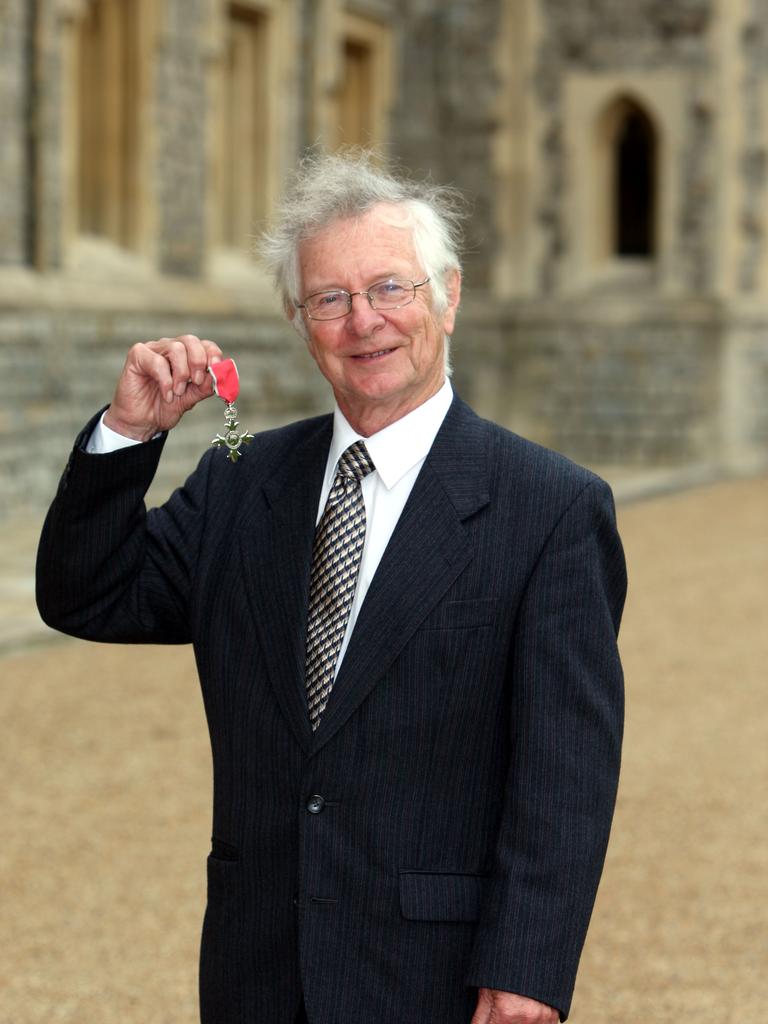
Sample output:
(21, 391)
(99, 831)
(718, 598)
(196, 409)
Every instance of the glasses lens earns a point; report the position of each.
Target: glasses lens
(328, 305)
(392, 293)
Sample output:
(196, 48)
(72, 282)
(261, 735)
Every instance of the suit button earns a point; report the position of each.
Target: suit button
(315, 804)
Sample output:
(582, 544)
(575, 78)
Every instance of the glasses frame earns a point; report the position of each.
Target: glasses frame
(351, 295)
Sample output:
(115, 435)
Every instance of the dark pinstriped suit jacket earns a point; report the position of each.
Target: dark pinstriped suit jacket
(467, 762)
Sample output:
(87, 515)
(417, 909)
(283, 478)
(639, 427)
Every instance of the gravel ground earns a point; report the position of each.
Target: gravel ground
(106, 793)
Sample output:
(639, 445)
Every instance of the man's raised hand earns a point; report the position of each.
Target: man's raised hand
(161, 380)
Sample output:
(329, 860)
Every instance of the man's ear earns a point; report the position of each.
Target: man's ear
(296, 320)
(453, 292)
(299, 324)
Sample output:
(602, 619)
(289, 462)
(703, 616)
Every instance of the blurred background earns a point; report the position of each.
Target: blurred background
(615, 158)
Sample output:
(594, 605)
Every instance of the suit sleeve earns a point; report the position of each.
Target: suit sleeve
(566, 728)
(108, 570)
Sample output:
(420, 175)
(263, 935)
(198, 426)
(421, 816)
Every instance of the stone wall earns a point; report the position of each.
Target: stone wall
(753, 166)
(611, 375)
(14, 118)
(179, 118)
(608, 389)
(444, 121)
(617, 386)
(58, 369)
(605, 39)
(47, 189)
(744, 383)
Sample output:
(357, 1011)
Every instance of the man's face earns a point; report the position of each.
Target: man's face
(381, 364)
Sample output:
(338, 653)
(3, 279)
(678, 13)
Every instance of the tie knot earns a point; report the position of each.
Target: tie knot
(355, 462)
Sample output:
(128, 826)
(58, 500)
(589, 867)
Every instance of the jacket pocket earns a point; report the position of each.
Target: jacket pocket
(440, 896)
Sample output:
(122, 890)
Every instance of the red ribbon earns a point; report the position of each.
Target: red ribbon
(226, 380)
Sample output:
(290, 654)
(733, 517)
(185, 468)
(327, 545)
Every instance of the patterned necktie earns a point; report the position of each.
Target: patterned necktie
(336, 554)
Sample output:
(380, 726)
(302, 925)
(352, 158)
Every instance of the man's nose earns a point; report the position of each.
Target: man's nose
(363, 318)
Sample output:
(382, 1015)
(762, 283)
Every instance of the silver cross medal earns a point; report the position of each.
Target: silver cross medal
(226, 384)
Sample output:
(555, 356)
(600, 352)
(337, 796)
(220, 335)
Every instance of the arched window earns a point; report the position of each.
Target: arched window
(631, 147)
(635, 185)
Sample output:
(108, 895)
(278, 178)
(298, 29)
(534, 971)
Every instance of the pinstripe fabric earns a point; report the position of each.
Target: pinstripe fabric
(336, 555)
(469, 757)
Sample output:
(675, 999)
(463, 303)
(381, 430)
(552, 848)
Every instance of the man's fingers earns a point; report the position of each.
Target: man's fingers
(200, 377)
(482, 1014)
(212, 351)
(146, 361)
(162, 380)
(179, 353)
(198, 354)
(187, 358)
(497, 1007)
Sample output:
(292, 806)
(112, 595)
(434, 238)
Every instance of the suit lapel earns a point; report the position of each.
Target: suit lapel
(427, 552)
(276, 556)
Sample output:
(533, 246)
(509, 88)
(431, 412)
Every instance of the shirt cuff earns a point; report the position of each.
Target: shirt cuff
(104, 440)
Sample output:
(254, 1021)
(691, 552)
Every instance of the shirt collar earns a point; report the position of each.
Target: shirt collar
(398, 447)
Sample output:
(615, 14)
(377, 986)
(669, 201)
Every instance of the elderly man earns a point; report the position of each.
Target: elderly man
(405, 625)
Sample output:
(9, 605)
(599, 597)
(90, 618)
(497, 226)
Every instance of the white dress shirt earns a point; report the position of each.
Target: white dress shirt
(398, 453)
(104, 440)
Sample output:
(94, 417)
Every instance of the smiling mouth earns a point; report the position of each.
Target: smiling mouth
(374, 355)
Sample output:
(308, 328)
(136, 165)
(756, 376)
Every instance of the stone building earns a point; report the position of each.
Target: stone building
(616, 298)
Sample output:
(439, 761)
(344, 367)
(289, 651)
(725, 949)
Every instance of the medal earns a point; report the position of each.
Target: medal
(226, 384)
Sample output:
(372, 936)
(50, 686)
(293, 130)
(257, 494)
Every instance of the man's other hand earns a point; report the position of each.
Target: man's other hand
(495, 1007)
(161, 380)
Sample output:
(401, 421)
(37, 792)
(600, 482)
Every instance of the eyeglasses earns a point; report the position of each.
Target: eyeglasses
(394, 293)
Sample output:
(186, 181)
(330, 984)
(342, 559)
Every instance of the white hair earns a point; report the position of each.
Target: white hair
(338, 186)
